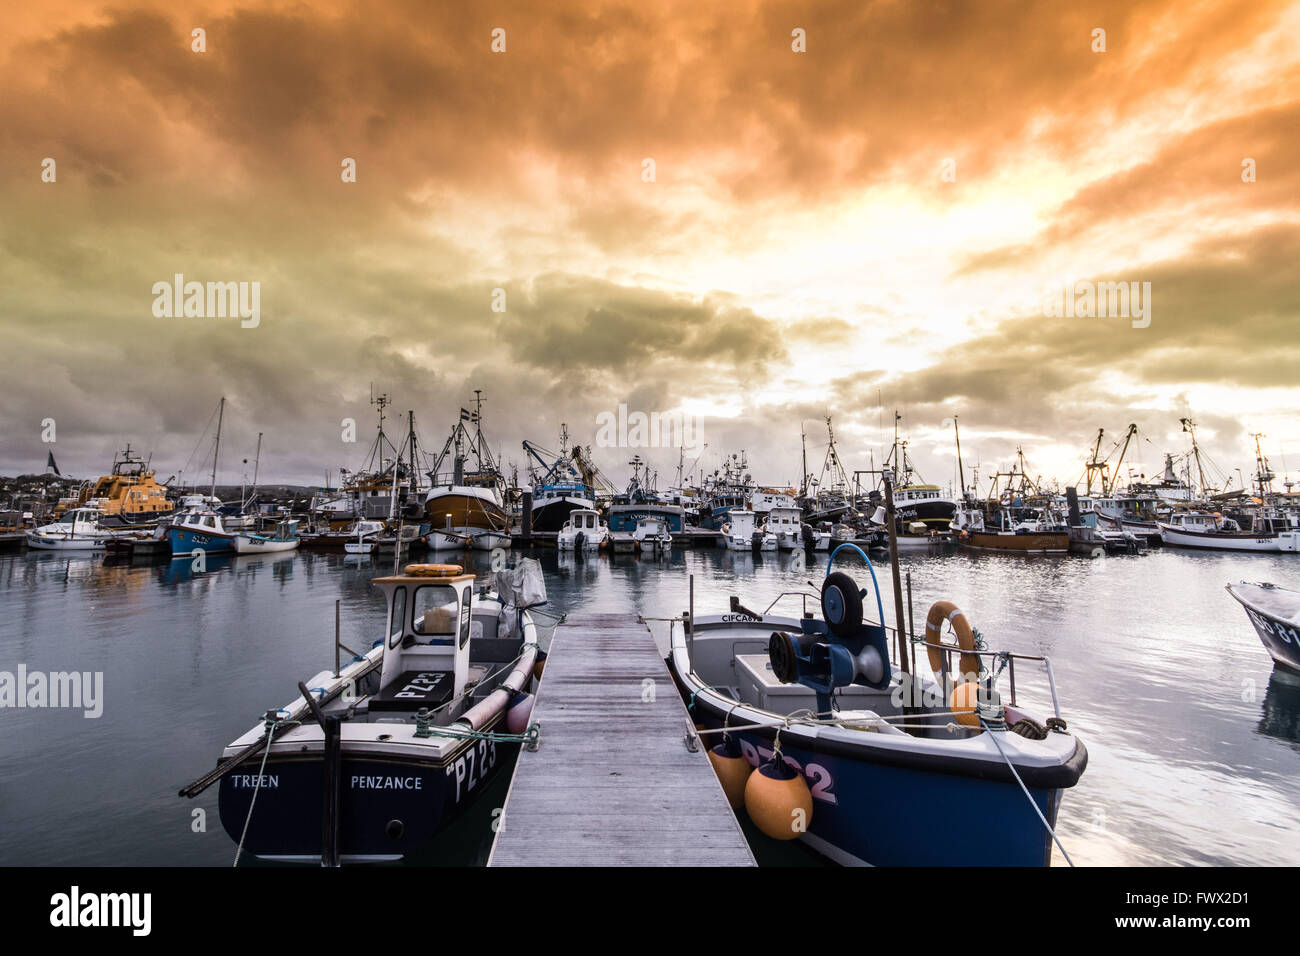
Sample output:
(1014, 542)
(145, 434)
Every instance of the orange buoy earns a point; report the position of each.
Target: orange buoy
(963, 701)
(732, 768)
(778, 800)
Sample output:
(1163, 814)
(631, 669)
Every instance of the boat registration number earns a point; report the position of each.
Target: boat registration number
(1286, 634)
(472, 766)
(820, 781)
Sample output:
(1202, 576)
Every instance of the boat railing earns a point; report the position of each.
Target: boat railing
(1009, 656)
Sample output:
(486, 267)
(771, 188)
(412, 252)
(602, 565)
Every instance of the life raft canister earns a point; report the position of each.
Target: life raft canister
(939, 612)
(433, 570)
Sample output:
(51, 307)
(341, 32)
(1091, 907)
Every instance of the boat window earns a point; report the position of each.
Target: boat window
(397, 617)
(434, 610)
(464, 617)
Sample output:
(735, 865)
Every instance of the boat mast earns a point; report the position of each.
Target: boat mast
(216, 448)
(410, 438)
(1189, 426)
(257, 461)
(961, 474)
(1110, 488)
(1263, 474)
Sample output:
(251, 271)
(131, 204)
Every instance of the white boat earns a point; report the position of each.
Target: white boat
(77, 530)
(741, 533)
(582, 532)
(1213, 532)
(367, 533)
(652, 535)
(285, 538)
(786, 522)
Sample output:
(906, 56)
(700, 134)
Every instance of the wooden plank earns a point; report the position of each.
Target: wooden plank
(613, 783)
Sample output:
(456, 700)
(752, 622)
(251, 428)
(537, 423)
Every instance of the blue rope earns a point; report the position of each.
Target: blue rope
(880, 608)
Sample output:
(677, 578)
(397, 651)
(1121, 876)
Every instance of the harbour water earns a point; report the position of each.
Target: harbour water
(1194, 740)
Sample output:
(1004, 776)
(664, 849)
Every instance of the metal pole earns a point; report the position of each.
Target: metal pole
(690, 624)
(336, 638)
(893, 563)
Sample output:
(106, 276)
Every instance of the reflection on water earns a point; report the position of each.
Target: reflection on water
(1192, 736)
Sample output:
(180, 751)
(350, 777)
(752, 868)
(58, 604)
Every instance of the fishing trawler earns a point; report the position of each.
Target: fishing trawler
(641, 500)
(128, 495)
(561, 483)
(465, 509)
(1275, 614)
(840, 711)
(1022, 531)
(375, 756)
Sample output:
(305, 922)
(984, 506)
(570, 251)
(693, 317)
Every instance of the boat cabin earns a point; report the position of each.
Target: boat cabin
(584, 519)
(1201, 521)
(785, 521)
(430, 626)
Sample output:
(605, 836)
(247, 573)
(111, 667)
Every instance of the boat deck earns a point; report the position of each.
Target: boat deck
(612, 782)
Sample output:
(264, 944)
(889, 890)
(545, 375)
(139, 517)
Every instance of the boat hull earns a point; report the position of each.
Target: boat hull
(625, 517)
(185, 541)
(1275, 615)
(1033, 543)
(44, 542)
(246, 545)
(551, 514)
(469, 508)
(1226, 540)
(937, 829)
(420, 795)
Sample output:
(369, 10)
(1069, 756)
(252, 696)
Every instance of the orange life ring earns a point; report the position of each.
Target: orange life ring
(433, 570)
(939, 612)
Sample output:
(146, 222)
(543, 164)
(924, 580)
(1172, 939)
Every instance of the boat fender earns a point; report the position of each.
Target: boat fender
(778, 800)
(964, 702)
(841, 604)
(539, 665)
(520, 712)
(939, 612)
(433, 570)
(732, 768)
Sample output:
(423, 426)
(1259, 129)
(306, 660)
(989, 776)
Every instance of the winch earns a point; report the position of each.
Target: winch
(837, 651)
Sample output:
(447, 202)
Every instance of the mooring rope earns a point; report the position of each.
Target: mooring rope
(271, 727)
(1028, 796)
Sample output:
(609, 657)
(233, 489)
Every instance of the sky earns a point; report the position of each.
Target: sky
(755, 215)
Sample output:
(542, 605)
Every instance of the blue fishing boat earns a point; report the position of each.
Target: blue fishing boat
(200, 530)
(1275, 613)
(976, 780)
